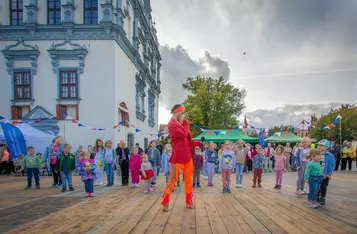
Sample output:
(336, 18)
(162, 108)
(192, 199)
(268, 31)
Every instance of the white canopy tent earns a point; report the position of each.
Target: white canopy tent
(33, 137)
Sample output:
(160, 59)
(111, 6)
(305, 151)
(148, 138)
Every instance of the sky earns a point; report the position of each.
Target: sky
(300, 56)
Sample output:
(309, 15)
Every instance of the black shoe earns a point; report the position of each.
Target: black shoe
(322, 201)
(276, 186)
(37, 186)
(279, 187)
(71, 189)
(198, 185)
(63, 190)
(27, 187)
(110, 184)
(107, 185)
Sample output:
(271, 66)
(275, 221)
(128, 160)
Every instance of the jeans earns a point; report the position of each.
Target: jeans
(153, 179)
(35, 173)
(314, 186)
(66, 176)
(88, 185)
(239, 173)
(76, 171)
(267, 164)
(196, 176)
(110, 172)
(210, 172)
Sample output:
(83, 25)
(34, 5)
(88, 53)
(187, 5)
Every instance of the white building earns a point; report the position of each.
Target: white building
(96, 60)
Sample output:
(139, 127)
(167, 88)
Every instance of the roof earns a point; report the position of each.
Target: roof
(219, 137)
(283, 138)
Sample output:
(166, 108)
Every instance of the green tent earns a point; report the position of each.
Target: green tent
(218, 137)
(283, 138)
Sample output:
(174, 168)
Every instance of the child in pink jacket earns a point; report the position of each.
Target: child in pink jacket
(134, 165)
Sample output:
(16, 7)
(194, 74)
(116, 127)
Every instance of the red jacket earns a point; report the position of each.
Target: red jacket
(181, 140)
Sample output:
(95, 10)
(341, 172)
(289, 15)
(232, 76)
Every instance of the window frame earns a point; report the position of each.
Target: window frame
(22, 85)
(68, 85)
(55, 10)
(18, 12)
(90, 9)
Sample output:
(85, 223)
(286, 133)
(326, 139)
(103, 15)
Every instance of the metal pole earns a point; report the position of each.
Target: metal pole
(340, 132)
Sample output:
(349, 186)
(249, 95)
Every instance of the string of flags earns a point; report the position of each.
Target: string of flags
(80, 125)
(210, 132)
(331, 125)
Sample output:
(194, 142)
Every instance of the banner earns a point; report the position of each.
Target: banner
(261, 139)
(14, 139)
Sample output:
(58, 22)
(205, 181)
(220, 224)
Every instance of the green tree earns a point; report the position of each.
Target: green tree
(348, 124)
(212, 103)
(280, 128)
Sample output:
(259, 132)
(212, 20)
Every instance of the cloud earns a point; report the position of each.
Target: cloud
(177, 66)
(287, 114)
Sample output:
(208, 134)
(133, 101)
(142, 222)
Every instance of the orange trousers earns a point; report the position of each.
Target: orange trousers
(175, 169)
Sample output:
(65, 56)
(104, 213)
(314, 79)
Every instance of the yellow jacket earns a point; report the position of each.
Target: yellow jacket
(348, 152)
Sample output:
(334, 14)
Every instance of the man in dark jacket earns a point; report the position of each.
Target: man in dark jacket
(335, 150)
(123, 159)
(140, 149)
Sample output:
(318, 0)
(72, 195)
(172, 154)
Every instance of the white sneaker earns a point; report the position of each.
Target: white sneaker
(133, 185)
(298, 191)
(136, 185)
(240, 186)
(303, 192)
(237, 185)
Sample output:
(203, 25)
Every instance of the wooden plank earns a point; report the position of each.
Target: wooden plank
(202, 220)
(217, 224)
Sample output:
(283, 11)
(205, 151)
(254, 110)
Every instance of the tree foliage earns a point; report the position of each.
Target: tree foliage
(280, 128)
(213, 103)
(348, 124)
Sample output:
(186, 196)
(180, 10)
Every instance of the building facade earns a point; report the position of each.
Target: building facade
(95, 61)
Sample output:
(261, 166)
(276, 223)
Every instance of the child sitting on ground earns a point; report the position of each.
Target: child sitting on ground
(31, 163)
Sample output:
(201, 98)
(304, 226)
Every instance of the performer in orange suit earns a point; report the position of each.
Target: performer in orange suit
(181, 157)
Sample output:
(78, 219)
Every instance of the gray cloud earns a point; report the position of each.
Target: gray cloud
(177, 66)
(279, 37)
(287, 114)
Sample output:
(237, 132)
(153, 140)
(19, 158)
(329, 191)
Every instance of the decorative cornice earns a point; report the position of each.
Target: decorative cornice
(28, 53)
(78, 52)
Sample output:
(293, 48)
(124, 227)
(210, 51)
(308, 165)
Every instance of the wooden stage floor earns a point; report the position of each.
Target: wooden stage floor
(127, 210)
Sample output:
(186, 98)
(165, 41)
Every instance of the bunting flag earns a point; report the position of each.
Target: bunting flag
(336, 121)
(68, 117)
(137, 130)
(257, 131)
(195, 126)
(74, 121)
(2, 117)
(80, 125)
(278, 133)
(292, 129)
(271, 133)
(216, 132)
(224, 132)
(339, 116)
(236, 128)
(286, 132)
(63, 113)
(230, 130)
(332, 125)
(15, 122)
(210, 132)
(116, 126)
(203, 130)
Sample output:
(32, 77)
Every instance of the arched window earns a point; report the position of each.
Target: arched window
(124, 114)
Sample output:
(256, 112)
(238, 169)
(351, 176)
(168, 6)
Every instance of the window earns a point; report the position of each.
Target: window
(22, 85)
(91, 12)
(68, 84)
(16, 112)
(124, 114)
(16, 12)
(53, 11)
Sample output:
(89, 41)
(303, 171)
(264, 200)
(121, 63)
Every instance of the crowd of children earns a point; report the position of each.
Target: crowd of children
(314, 167)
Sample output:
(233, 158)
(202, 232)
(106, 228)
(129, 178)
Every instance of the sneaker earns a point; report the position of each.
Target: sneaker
(71, 189)
(63, 190)
(145, 191)
(298, 191)
(279, 187)
(91, 194)
(302, 192)
(198, 185)
(107, 185)
(276, 186)
(37, 186)
(322, 201)
(27, 187)
(133, 185)
(111, 184)
(229, 190)
(311, 205)
(259, 186)
(54, 186)
(224, 190)
(151, 189)
(237, 185)
(87, 194)
(316, 203)
(254, 186)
